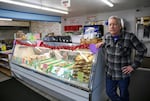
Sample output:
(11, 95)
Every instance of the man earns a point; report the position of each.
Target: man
(118, 47)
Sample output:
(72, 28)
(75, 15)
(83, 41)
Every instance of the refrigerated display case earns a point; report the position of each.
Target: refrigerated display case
(67, 71)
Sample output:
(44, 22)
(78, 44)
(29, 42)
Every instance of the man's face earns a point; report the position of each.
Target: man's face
(113, 27)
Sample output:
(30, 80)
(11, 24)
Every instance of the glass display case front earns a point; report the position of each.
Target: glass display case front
(61, 62)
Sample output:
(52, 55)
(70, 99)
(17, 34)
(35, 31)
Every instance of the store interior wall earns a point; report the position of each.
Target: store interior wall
(7, 30)
(45, 27)
(9, 33)
(128, 16)
(56, 27)
(19, 18)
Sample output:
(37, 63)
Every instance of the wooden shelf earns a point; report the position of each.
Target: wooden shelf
(4, 63)
(4, 59)
(5, 71)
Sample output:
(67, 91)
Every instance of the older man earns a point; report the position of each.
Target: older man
(118, 47)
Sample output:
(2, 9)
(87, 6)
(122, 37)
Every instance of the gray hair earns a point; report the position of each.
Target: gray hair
(116, 18)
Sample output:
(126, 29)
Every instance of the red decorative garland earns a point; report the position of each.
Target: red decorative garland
(81, 46)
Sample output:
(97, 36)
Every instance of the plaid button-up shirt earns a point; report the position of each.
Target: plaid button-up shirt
(119, 54)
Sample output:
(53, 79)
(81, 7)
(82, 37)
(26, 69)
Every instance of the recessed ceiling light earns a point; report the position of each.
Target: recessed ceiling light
(110, 4)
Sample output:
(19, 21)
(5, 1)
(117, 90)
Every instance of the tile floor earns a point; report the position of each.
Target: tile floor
(4, 77)
(40, 92)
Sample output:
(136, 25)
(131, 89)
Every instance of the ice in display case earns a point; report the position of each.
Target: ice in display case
(69, 65)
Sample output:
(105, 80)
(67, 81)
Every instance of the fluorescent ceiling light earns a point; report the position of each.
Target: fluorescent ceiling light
(108, 3)
(34, 6)
(6, 19)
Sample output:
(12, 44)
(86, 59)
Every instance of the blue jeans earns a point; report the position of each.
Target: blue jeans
(111, 89)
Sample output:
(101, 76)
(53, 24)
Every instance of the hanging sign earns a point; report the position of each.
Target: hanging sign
(65, 3)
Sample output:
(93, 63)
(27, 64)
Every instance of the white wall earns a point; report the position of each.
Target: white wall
(45, 27)
(128, 15)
